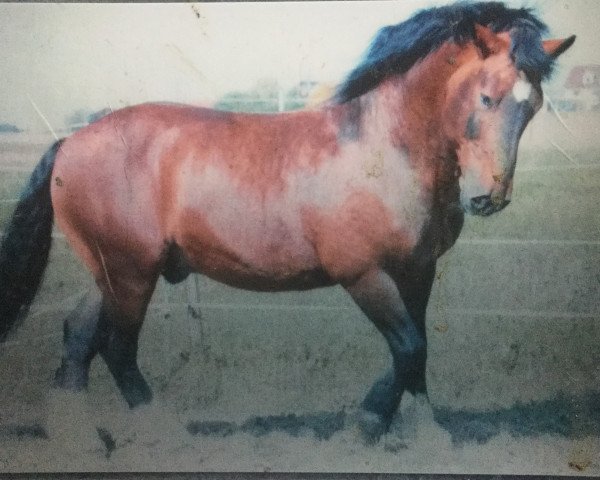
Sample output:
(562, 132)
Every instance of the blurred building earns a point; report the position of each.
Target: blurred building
(581, 90)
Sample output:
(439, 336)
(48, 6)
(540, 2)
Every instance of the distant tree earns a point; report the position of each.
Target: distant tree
(267, 96)
(78, 118)
(9, 128)
(94, 117)
(266, 88)
(244, 102)
(297, 96)
(263, 97)
(84, 116)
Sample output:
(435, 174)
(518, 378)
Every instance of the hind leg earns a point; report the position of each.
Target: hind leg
(124, 306)
(109, 327)
(118, 344)
(70, 421)
(80, 343)
(97, 327)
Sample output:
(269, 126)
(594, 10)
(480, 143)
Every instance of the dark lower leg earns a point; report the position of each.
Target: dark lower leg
(383, 400)
(416, 382)
(119, 351)
(415, 284)
(380, 300)
(407, 373)
(384, 396)
(80, 344)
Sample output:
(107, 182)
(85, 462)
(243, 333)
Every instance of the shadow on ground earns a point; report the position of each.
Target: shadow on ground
(569, 417)
(562, 415)
(322, 425)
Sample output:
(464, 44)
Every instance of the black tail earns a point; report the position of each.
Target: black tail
(26, 244)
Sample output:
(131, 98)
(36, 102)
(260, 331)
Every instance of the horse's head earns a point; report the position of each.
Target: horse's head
(492, 96)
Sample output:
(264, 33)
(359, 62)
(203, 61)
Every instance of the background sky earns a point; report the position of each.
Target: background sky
(56, 58)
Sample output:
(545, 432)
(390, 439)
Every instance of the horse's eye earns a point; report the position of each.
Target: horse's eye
(487, 101)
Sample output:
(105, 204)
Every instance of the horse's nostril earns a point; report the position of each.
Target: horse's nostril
(481, 202)
(486, 205)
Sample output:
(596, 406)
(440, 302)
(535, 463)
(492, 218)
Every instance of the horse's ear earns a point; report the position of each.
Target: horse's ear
(557, 47)
(487, 41)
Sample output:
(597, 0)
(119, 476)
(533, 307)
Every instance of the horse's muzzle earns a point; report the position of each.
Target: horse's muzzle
(485, 205)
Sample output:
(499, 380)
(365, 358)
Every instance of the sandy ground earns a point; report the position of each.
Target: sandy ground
(276, 413)
(259, 382)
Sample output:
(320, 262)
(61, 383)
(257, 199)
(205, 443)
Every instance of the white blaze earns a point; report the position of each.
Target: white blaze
(521, 90)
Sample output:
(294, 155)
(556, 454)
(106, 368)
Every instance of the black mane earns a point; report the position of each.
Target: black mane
(397, 48)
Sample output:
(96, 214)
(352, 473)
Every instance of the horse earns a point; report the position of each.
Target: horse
(365, 191)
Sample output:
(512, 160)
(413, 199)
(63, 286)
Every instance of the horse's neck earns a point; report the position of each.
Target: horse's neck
(407, 111)
(417, 98)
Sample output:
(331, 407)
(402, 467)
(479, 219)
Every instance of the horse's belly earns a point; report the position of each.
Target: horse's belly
(251, 279)
(249, 248)
(254, 270)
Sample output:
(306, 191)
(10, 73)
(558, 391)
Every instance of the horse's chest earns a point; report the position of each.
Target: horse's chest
(358, 211)
(382, 177)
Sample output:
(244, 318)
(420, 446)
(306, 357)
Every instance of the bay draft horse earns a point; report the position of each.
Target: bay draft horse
(366, 191)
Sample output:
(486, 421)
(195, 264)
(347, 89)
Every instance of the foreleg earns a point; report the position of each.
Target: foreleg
(377, 294)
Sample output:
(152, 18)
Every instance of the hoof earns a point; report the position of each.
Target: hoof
(371, 426)
(417, 423)
(71, 377)
(134, 389)
(138, 397)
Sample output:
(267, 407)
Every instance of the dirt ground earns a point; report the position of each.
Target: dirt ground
(270, 382)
